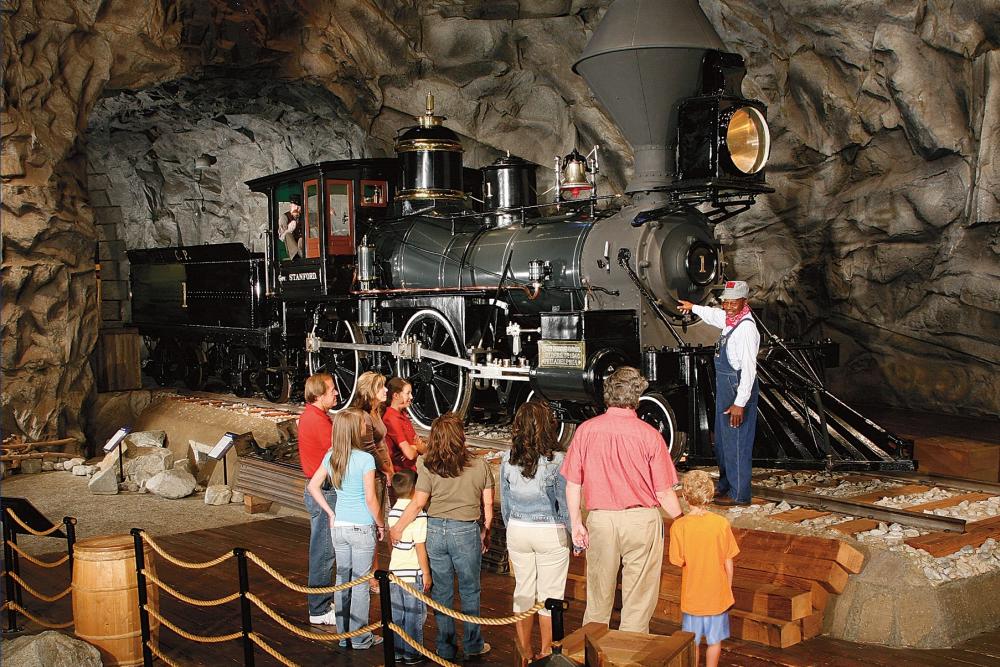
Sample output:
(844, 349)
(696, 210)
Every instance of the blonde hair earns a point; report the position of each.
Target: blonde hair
(316, 386)
(346, 436)
(370, 384)
(623, 388)
(698, 488)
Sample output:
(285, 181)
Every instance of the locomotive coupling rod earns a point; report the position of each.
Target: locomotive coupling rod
(413, 350)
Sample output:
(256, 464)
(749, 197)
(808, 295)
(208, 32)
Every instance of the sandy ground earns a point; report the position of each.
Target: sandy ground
(58, 494)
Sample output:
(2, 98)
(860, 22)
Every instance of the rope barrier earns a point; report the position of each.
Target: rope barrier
(419, 648)
(40, 596)
(203, 639)
(184, 598)
(45, 624)
(159, 655)
(29, 529)
(305, 634)
(31, 559)
(479, 620)
(259, 641)
(183, 563)
(305, 589)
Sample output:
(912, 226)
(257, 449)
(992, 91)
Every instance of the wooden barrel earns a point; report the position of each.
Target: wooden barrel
(106, 597)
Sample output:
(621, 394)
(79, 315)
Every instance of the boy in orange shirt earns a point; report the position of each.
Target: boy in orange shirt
(702, 544)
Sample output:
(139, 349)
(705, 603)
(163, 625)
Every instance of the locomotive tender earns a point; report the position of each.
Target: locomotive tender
(461, 282)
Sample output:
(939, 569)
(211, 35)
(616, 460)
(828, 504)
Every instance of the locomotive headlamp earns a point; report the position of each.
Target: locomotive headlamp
(748, 140)
(722, 137)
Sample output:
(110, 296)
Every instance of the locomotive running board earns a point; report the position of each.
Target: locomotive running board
(410, 348)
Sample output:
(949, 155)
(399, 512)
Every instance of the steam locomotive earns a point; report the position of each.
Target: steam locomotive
(464, 283)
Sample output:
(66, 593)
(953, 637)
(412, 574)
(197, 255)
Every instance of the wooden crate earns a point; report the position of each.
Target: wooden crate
(597, 646)
(116, 360)
(958, 457)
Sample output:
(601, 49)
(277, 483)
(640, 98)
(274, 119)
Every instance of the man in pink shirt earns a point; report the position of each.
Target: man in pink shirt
(622, 466)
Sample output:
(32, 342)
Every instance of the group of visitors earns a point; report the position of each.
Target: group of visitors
(617, 466)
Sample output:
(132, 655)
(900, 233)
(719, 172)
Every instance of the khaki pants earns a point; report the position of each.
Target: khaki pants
(633, 539)
(539, 556)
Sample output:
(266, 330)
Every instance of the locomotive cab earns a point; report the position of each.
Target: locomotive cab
(316, 217)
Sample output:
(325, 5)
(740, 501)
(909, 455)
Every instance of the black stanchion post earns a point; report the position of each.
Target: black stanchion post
(140, 581)
(385, 602)
(121, 461)
(557, 607)
(225, 471)
(15, 564)
(8, 568)
(246, 621)
(69, 523)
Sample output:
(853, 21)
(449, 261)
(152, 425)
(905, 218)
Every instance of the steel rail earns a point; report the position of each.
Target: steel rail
(846, 506)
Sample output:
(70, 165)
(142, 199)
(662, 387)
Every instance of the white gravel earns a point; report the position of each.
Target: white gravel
(971, 511)
(931, 496)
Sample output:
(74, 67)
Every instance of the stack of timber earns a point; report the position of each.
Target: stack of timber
(782, 585)
(952, 456)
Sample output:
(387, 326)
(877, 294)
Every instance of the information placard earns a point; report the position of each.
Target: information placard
(117, 438)
(222, 446)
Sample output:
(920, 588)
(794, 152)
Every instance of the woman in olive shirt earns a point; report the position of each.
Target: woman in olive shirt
(456, 489)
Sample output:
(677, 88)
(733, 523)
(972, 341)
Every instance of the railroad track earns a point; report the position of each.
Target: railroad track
(940, 535)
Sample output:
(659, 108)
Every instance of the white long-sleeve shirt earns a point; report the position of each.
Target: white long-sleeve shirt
(741, 349)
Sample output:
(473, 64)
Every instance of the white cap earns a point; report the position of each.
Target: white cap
(735, 289)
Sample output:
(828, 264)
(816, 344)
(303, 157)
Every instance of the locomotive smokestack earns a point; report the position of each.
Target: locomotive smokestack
(644, 57)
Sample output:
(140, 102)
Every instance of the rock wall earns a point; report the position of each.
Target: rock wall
(883, 231)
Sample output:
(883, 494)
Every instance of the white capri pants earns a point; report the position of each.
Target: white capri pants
(539, 556)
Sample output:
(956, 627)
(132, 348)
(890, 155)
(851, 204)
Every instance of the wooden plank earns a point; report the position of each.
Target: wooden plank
(942, 544)
(812, 625)
(849, 557)
(904, 490)
(745, 625)
(819, 595)
(829, 574)
(255, 505)
(758, 597)
(959, 457)
(798, 514)
(117, 360)
(616, 648)
(855, 526)
(950, 502)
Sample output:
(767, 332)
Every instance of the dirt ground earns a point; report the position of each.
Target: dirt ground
(57, 494)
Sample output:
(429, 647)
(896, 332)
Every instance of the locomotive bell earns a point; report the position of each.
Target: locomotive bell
(430, 157)
(573, 176)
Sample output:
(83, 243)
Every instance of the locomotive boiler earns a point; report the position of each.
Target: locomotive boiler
(463, 282)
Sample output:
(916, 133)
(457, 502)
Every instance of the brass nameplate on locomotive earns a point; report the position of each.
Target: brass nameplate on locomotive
(562, 354)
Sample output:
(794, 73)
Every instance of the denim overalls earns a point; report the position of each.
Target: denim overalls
(733, 446)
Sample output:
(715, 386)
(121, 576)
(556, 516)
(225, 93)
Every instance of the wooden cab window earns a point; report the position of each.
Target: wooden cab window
(312, 218)
(340, 209)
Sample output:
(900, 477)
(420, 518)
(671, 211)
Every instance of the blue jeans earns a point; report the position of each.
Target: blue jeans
(454, 548)
(320, 552)
(734, 446)
(410, 614)
(355, 548)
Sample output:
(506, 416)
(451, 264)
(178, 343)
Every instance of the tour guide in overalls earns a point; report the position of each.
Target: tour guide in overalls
(736, 389)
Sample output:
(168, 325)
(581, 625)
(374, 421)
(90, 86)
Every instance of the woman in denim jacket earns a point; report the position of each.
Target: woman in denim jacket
(533, 506)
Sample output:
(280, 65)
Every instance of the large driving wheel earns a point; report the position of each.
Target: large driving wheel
(343, 365)
(438, 387)
(164, 363)
(655, 410)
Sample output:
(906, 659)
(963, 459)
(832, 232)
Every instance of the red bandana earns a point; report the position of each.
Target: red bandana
(731, 321)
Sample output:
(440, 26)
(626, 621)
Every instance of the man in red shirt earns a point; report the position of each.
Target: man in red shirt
(315, 431)
(622, 466)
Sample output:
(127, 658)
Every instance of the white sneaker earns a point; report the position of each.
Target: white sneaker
(329, 618)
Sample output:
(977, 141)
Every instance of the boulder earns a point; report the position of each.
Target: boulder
(218, 494)
(172, 484)
(147, 438)
(50, 649)
(31, 466)
(237, 497)
(104, 482)
(147, 462)
(82, 470)
(72, 463)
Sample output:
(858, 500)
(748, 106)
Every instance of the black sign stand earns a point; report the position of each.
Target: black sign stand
(116, 441)
(219, 452)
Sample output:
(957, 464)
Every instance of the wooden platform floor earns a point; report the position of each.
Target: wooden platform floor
(283, 543)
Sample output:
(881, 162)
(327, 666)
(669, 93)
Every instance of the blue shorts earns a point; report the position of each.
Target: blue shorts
(713, 628)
